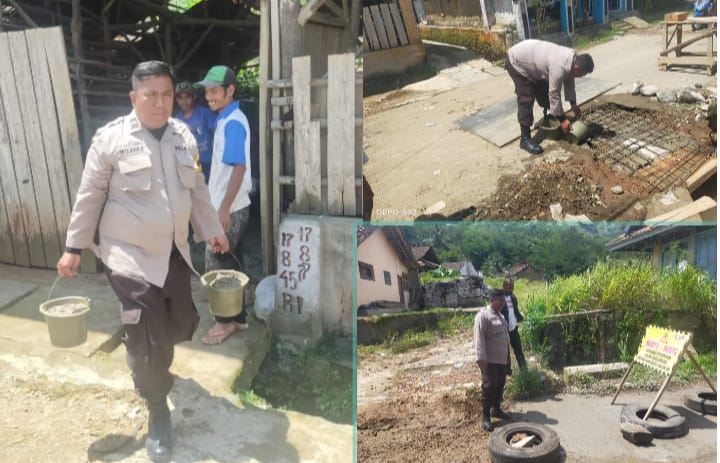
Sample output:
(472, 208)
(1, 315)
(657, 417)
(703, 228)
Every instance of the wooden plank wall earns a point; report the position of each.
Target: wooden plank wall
(331, 156)
(383, 27)
(307, 159)
(39, 148)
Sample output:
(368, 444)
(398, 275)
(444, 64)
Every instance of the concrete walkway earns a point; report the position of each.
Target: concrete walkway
(215, 426)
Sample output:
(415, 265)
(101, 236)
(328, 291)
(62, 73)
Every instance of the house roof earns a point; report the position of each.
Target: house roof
(395, 237)
(426, 255)
(518, 268)
(456, 266)
(364, 232)
(420, 251)
(636, 237)
(522, 266)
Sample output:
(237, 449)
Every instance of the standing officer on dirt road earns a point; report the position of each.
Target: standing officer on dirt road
(492, 352)
(140, 188)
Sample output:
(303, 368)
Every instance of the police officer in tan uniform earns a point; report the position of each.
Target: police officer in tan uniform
(492, 353)
(140, 188)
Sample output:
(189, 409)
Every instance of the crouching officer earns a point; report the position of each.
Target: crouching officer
(140, 188)
(492, 352)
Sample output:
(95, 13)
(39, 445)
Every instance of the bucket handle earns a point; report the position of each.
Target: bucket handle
(237, 261)
(56, 281)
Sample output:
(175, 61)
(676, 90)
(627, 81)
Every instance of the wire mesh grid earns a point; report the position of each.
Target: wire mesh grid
(644, 145)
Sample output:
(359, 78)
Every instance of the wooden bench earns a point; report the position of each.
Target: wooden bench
(674, 43)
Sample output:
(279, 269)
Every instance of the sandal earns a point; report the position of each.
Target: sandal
(240, 326)
(219, 333)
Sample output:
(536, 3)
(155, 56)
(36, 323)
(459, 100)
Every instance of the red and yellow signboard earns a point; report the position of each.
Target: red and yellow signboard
(662, 349)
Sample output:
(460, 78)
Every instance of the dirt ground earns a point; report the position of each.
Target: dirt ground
(423, 405)
(421, 160)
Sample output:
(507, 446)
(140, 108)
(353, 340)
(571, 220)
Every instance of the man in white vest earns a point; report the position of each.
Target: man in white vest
(229, 184)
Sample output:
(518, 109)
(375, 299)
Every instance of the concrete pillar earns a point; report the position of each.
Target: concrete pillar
(314, 278)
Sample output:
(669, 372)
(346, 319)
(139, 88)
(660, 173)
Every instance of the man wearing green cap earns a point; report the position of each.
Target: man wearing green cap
(230, 183)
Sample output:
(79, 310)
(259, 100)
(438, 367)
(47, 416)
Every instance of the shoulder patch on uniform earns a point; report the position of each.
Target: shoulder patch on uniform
(198, 169)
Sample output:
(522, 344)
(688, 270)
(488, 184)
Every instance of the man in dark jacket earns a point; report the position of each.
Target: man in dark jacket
(511, 313)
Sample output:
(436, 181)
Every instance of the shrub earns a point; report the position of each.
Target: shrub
(638, 294)
(525, 384)
(486, 44)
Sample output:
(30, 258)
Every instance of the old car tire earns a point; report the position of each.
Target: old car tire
(703, 401)
(671, 424)
(548, 451)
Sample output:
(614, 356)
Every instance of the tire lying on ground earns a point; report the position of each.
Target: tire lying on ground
(663, 423)
(547, 451)
(704, 401)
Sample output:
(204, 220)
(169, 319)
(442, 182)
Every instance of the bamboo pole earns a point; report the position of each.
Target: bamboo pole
(622, 381)
(657, 397)
(26, 17)
(699, 368)
(192, 51)
(266, 174)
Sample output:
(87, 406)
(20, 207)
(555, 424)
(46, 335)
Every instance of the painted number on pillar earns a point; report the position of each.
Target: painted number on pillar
(296, 261)
(292, 303)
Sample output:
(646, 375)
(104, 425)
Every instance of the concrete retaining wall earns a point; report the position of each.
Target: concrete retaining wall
(374, 330)
(463, 292)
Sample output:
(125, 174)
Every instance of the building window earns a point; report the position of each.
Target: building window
(388, 278)
(366, 271)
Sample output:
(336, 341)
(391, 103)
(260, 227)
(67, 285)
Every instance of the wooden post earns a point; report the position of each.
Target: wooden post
(341, 135)
(26, 17)
(307, 160)
(699, 368)
(76, 39)
(484, 14)
(168, 42)
(276, 71)
(622, 381)
(657, 397)
(408, 15)
(266, 179)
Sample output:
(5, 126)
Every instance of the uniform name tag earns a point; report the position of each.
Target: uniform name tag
(496, 322)
(128, 150)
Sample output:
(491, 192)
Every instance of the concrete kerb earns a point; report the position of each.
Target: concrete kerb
(219, 369)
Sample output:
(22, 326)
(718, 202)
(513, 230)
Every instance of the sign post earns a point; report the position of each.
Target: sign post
(662, 349)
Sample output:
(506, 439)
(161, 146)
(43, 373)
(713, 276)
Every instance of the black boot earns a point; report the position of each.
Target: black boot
(486, 422)
(159, 439)
(530, 146)
(498, 413)
(527, 143)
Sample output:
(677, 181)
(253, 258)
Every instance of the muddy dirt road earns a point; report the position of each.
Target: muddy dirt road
(423, 405)
(420, 158)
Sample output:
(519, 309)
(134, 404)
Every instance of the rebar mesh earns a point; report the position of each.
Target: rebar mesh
(642, 144)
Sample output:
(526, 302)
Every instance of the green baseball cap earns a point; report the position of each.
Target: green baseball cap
(216, 76)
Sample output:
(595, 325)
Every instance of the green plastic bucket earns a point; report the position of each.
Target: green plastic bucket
(67, 327)
(579, 132)
(225, 302)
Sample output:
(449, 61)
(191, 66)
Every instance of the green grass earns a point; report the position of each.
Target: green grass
(387, 82)
(438, 275)
(581, 41)
(524, 289)
(249, 398)
(457, 322)
(410, 340)
(316, 381)
(525, 384)
(460, 322)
